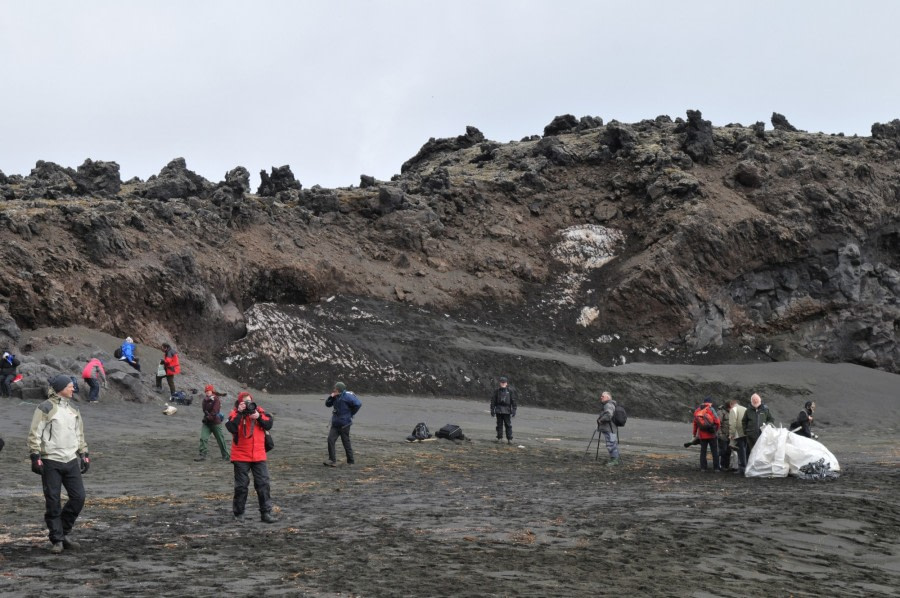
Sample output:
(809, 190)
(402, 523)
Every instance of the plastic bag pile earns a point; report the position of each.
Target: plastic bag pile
(779, 453)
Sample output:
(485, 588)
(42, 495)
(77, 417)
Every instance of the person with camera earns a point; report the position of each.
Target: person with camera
(504, 403)
(608, 428)
(706, 424)
(59, 455)
(805, 420)
(248, 424)
(9, 363)
(344, 406)
(171, 367)
(212, 423)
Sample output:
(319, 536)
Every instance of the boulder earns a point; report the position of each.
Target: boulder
(780, 123)
(435, 147)
(238, 180)
(889, 130)
(561, 124)
(281, 179)
(698, 140)
(98, 178)
(175, 181)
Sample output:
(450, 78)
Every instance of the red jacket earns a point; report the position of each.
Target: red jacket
(170, 361)
(248, 436)
(703, 434)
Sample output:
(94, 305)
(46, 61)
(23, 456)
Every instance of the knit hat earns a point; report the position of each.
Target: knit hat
(504, 379)
(340, 386)
(59, 382)
(209, 388)
(708, 400)
(128, 339)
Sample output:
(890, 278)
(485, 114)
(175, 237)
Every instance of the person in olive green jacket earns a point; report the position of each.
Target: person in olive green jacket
(756, 416)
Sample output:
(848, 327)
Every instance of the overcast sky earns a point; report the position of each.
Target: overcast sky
(339, 88)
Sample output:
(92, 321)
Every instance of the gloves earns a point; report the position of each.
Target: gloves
(85, 461)
(493, 414)
(37, 466)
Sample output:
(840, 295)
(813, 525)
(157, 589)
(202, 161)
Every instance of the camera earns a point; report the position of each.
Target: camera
(250, 408)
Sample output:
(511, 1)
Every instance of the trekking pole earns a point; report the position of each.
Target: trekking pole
(599, 438)
(590, 443)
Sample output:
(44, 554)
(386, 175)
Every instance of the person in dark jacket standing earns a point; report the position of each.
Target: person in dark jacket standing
(344, 406)
(59, 455)
(805, 420)
(756, 416)
(248, 424)
(504, 403)
(212, 423)
(8, 365)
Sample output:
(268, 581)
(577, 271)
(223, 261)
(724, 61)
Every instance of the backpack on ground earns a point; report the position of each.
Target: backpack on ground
(420, 432)
(118, 353)
(451, 432)
(703, 419)
(180, 398)
(620, 416)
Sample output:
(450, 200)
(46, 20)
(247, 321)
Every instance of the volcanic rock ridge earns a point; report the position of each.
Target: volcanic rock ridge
(594, 244)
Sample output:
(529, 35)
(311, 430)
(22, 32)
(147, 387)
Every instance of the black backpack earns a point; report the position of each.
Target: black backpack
(620, 416)
(420, 432)
(451, 432)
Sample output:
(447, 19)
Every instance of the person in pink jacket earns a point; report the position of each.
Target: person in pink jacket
(94, 375)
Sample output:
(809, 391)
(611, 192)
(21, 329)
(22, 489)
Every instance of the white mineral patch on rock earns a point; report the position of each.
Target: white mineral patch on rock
(588, 315)
(588, 246)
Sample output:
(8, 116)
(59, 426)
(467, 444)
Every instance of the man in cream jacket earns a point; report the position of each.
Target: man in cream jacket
(59, 455)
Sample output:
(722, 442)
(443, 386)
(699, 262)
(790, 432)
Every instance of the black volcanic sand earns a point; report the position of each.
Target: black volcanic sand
(467, 519)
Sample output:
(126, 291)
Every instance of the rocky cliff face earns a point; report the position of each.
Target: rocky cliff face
(657, 241)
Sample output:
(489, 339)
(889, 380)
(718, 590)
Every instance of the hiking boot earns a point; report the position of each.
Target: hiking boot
(349, 463)
(226, 457)
(613, 462)
(509, 441)
(267, 517)
(498, 440)
(200, 458)
(56, 548)
(329, 464)
(238, 517)
(70, 544)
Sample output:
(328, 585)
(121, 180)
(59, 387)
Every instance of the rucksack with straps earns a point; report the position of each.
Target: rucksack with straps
(620, 416)
(703, 419)
(420, 432)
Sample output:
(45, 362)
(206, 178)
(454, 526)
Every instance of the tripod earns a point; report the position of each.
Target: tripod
(598, 437)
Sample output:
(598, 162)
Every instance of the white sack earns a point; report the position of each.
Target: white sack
(778, 453)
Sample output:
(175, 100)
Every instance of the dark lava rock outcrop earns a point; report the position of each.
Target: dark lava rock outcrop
(658, 241)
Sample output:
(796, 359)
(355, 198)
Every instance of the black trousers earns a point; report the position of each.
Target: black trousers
(95, 389)
(344, 433)
(713, 444)
(242, 471)
(724, 453)
(504, 420)
(61, 518)
(6, 384)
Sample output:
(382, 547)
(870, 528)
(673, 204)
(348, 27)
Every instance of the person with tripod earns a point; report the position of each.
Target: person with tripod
(607, 427)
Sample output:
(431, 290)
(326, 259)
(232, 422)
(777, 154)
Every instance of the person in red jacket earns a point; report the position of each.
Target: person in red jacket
(706, 427)
(94, 376)
(170, 366)
(248, 424)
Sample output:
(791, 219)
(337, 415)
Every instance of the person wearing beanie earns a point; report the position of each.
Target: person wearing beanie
(504, 403)
(249, 423)
(344, 406)
(706, 424)
(59, 455)
(805, 420)
(212, 423)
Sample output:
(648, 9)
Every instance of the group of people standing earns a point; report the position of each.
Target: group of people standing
(736, 431)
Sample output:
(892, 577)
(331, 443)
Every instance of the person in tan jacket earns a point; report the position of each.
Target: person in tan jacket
(59, 455)
(736, 435)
